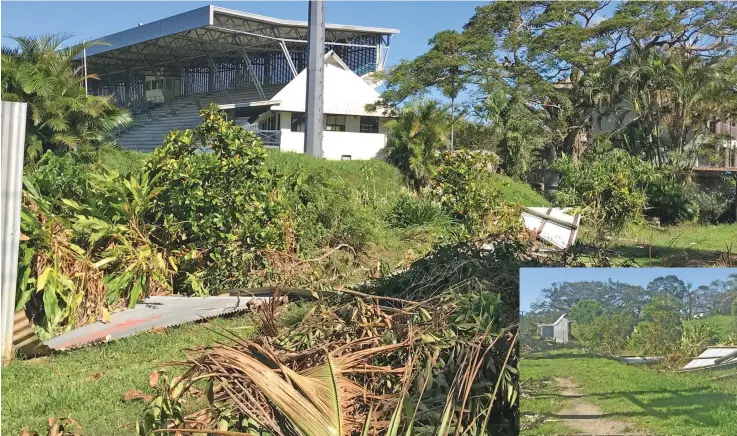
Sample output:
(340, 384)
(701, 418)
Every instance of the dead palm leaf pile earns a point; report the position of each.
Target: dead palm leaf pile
(429, 351)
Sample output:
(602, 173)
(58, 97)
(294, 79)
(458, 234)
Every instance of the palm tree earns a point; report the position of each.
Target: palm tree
(672, 97)
(420, 130)
(60, 113)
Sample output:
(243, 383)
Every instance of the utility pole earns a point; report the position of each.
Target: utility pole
(315, 78)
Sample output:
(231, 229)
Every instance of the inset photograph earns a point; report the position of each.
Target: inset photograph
(628, 351)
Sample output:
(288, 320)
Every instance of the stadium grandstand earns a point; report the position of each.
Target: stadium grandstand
(167, 70)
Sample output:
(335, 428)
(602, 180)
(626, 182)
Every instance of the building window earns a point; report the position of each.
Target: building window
(335, 123)
(369, 125)
(298, 122)
(148, 86)
(168, 83)
(345, 157)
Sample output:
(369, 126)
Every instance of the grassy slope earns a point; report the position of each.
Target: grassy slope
(661, 402)
(88, 384)
(681, 245)
(514, 191)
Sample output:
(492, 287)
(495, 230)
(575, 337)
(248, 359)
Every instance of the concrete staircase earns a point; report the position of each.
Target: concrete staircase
(145, 133)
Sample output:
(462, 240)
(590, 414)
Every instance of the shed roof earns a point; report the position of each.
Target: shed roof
(345, 92)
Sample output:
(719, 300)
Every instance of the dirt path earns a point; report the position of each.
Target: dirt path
(587, 417)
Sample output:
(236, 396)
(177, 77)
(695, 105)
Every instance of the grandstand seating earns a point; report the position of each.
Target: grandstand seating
(146, 133)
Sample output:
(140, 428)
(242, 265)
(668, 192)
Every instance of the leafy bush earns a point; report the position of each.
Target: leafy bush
(608, 333)
(585, 311)
(410, 211)
(91, 256)
(716, 202)
(660, 331)
(671, 200)
(463, 189)
(609, 188)
(217, 210)
(696, 338)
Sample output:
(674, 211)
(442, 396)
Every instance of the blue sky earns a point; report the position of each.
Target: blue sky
(533, 280)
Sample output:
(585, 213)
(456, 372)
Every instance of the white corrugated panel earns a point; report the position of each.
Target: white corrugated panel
(710, 356)
(11, 186)
(552, 232)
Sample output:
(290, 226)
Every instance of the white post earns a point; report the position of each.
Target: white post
(315, 77)
(84, 55)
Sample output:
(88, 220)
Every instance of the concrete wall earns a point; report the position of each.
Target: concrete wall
(335, 145)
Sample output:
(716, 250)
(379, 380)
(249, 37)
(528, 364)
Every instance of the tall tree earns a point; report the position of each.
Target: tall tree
(61, 115)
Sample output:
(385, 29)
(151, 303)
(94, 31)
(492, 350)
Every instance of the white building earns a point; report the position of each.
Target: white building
(559, 330)
(253, 66)
(350, 131)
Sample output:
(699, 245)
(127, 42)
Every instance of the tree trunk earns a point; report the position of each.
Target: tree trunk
(452, 122)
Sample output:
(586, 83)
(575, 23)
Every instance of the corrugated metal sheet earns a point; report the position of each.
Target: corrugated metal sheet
(153, 313)
(13, 135)
(713, 357)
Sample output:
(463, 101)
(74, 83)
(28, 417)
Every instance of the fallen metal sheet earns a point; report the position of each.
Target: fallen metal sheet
(713, 357)
(552, 224)
(153, 312)
(633, 360)
(25, 340)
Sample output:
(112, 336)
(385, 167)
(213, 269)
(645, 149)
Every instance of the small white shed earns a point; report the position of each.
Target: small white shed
(559, 330)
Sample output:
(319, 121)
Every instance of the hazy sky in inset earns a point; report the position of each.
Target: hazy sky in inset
(534, 280)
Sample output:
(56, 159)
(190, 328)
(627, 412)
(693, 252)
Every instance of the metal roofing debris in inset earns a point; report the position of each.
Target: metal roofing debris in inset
(713, 357)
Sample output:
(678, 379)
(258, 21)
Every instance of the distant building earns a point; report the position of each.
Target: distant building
(559, 330)
(253, 67)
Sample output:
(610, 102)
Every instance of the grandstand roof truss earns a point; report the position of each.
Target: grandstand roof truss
(211, 34)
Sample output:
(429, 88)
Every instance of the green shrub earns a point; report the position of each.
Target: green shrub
(717, 202)
(609, 188)
(607, 333)
(696, 337)
(462, 187)
(410, 211)
(585, 311)
(660, 331)
(219, 209)
(58, 176)
(671, 200)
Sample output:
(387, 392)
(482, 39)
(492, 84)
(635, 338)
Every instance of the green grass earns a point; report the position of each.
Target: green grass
(88, 384)
(724, 325)
(680, 245)
(515, 191)
(660, 402)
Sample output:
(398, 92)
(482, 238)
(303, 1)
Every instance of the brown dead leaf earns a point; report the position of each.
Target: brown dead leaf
(135, 394)
(94, 376)
(25, 432)
(153, 379)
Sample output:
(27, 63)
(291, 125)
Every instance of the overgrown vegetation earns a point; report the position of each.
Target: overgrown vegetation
(581, 89)
(669, 317)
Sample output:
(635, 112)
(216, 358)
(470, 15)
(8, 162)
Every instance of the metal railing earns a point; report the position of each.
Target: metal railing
(270, 138)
